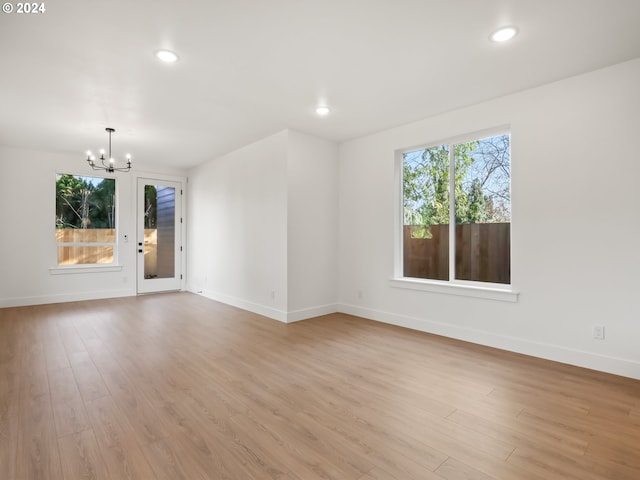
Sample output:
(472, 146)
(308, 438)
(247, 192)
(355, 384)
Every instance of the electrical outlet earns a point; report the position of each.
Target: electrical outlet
(598, 332)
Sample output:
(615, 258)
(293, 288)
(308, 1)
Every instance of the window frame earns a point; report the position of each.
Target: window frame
(114, 266)
(452, 286)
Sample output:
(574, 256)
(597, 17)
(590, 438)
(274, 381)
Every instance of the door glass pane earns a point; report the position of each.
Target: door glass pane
(159, 231)
(426, 213)
(483, 210)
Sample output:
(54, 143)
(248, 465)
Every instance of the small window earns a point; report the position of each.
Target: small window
(457, 211)
(85, 220)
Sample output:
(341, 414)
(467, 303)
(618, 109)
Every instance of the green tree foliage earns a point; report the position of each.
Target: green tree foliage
(85, 202)
(482, 184)
(477, 205)
(150, 207)
(426, 184)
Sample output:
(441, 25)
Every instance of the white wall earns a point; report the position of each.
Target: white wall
(262, 231)
(27, 219)
(237, 227)
(575, 229)
(312, 205)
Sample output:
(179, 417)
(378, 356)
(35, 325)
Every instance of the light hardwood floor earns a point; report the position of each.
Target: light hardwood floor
(176, 387)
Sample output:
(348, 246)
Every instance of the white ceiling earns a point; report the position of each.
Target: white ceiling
(250, 68)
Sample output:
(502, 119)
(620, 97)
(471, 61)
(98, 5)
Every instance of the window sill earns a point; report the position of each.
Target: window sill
(489, 293)
(85, 269)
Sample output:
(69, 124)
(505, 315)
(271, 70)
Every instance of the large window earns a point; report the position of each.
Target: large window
(85, 220)
(457, 211)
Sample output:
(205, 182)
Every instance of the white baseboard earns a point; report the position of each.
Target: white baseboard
(63, 298)
(307, 313)
(603, 363)
(273, 313)
(270, 312)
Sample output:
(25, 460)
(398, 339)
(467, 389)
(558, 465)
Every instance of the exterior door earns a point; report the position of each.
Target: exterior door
(159, 236)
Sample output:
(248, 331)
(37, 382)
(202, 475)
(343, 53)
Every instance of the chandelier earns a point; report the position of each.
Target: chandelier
(107, 164)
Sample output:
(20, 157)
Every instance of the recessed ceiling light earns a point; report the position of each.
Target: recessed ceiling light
(167, 56)
(503, 34)
(323, 110)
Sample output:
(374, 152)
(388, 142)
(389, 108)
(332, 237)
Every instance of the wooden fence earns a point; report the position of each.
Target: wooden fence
(483, 252)
(90, 254)
(85, 254)
(85, 235)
